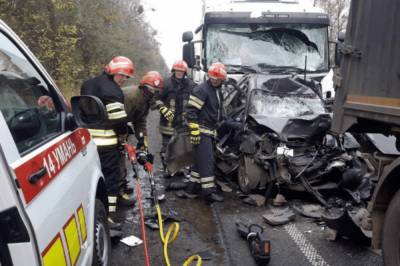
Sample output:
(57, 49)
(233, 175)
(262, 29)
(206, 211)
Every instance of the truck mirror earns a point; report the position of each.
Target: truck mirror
(88, 111)
(188, 54)
(199, 28)
(187, 36)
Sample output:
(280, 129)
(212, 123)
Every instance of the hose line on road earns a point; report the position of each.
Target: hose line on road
(173, 230)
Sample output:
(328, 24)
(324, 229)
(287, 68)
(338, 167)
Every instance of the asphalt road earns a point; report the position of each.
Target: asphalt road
(212, 229)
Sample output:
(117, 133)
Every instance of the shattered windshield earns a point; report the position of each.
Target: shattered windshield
(249, 47)
(270, 105)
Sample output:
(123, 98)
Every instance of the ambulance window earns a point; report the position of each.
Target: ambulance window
(25, 99)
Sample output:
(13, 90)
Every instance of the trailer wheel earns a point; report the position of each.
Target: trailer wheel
(391, 233)
(101, 239)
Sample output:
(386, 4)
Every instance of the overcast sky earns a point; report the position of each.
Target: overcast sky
(170, 22)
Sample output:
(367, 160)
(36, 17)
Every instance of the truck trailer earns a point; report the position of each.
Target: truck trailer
(367, 101)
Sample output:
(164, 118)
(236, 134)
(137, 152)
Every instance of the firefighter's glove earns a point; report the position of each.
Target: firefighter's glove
(167, 113)
(141, 157)
(194, 133)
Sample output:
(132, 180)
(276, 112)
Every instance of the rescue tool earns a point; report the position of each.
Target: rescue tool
(145, 159)
(133, 159)
(260, 246)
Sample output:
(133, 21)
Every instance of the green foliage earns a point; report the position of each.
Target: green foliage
(74, 39)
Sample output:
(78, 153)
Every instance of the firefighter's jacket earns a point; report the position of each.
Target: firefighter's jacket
(175, 96)
(205, 108)
(104, 87)
(137, 106)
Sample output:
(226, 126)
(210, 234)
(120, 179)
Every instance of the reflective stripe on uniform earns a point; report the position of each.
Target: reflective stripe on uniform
(114, 106)
(207, 179)
(166, 130)
(116, 110)
(117, 115)
(208, 131)
(193, 173)
(207, 182)
(104, 137)
(102, 132)
(112, 208)
(194, 177)
(195, 102)
(112, 200)
(105, 142)
(208, 185)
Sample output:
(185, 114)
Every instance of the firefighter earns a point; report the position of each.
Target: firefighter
(107, 87)
(138, 102)
(203, 113)
(172, 101)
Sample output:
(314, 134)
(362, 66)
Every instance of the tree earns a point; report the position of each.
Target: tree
(74, 39)
(338, 11)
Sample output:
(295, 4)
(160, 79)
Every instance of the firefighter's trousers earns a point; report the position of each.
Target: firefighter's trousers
(110, 165)
(202, 174)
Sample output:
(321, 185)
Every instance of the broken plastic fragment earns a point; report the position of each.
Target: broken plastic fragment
(131, 241)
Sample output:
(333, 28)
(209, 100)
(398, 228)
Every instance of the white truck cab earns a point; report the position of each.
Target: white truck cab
(52, 191)
(273, 37)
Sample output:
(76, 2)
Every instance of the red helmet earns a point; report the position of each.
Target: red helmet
(152, 78)
(180, 65)
(217, 71)
(120, 65)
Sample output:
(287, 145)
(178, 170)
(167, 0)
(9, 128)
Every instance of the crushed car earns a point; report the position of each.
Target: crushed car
(285, 142)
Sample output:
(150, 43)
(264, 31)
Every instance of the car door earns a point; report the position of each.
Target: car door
(55, 164)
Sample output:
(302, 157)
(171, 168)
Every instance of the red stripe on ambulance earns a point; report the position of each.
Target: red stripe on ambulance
(53, 159)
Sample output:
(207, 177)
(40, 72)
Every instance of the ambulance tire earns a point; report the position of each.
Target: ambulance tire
(101, 239)
(391, 232)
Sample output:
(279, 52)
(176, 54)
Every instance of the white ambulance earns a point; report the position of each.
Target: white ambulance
(52, 193)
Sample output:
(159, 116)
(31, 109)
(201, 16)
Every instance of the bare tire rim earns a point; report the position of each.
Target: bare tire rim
(102, 245)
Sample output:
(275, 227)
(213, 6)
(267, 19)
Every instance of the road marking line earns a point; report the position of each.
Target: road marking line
(305, 246)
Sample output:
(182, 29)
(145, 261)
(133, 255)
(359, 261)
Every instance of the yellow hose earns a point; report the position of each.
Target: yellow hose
(174, 231)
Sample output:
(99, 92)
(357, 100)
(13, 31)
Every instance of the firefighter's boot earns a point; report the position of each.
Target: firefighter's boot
(113, 225)
(125, 199)
(192, 190)
(212, 196)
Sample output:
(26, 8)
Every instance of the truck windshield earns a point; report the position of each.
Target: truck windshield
(266, 48)
(288, 106)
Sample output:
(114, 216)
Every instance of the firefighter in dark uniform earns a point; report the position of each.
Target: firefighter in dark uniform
(203, 113)
(107, 87)
(138, 101)
(172, 101)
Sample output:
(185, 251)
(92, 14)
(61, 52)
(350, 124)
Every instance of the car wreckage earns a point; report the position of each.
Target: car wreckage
(284, 143)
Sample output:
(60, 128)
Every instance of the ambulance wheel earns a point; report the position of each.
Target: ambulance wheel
(391, 233)
(102, 240)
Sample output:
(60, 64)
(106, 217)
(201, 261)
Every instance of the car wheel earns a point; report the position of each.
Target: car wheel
(102, 240)
(391, 233)
(246, 181)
